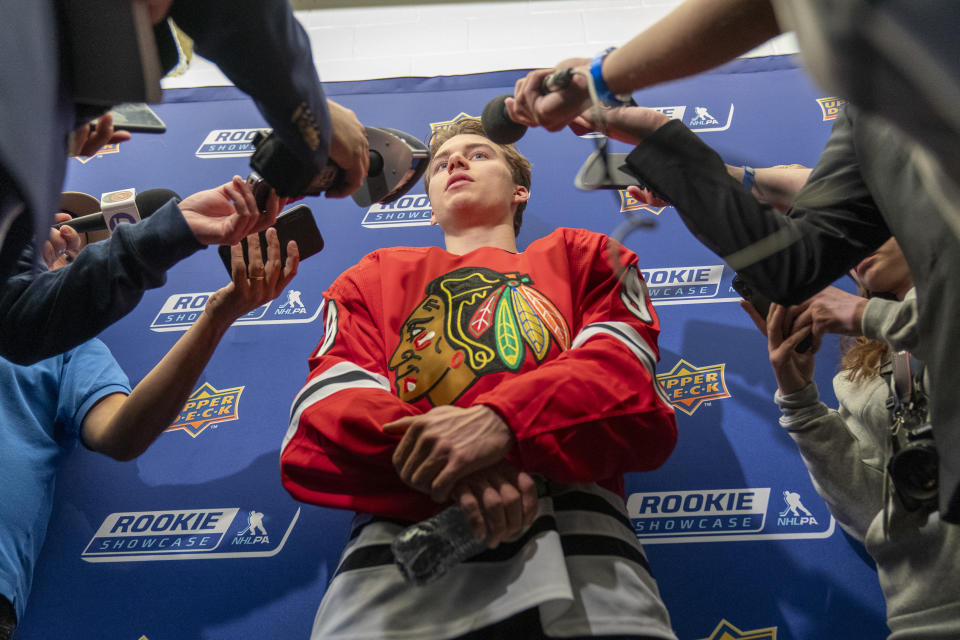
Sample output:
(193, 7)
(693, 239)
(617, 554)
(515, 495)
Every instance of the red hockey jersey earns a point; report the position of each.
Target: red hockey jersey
(551, 339)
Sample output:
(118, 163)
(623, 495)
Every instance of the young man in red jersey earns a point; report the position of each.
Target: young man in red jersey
(452, 376)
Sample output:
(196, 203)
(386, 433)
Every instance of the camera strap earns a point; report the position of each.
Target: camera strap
(907, 401)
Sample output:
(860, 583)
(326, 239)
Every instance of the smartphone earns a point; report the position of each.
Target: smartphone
(762, 304)
(759, 301)
(138, 117)
(293, 224)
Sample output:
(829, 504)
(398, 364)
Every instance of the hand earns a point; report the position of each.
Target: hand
(499, 502)
(257, 283)
(834, 310)
(444, 445)
(793, 370)
(626, 124)
(84, 141)
(349, 148)
(63, 245)
(556, 109)
(228, 213)
(645, 196)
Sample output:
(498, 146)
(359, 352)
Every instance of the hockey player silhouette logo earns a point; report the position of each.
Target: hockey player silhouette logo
(293, 300)
(254, 525)
(702, 118)
(474, 321)
(792, 498)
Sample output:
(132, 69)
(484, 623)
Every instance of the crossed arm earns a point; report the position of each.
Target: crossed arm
(352, 441)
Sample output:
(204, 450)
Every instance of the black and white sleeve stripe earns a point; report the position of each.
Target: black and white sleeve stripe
(341, 376)
(629, 336)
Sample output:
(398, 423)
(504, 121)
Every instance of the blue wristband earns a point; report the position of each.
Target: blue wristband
(749, 178)
(603, 91)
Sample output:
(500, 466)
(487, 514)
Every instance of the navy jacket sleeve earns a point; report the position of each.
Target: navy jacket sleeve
(833, 223)
(262, 48)
(52, 312)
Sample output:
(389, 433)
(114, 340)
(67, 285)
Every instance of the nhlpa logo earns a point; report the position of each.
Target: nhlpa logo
(703, 116)
(207, 406)
(408, 211)
(293, 300)
(254, 533)
(227, 143)
(182, 309)
(688, 386)
(830, 107)
(630, 204)
(790, 517)
(674, 283)
(187, 534)
(726, 631)
(106, 149)
(436, 127)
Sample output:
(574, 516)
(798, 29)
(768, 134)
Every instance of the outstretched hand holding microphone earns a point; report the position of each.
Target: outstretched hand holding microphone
(554, 109)
(500, 122)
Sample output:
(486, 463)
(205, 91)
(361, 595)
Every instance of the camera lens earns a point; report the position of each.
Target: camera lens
(914, 472)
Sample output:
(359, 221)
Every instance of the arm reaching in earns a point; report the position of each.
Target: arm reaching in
(122, 427)
(696, 36)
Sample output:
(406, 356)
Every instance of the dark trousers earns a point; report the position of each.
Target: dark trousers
(8, 619)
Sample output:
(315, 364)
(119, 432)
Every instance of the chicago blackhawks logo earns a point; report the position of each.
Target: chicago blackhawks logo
(474, 321)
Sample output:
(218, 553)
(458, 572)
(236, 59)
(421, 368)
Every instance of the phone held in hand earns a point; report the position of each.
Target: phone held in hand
(137, 117)
(759, 301)
(295, 224)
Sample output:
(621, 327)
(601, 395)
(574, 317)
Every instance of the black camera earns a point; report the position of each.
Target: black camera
(914, 467)
(914, 470)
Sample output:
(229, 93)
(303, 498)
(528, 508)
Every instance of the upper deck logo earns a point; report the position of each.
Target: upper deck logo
(182, 309)
(630, 204)
(436, 127)
(688, 386)
(706, 117)
(674, 283)
(726, 631)
(408, 211)
(207, 406)
(830, 107)
(105, 150)
(227, 143)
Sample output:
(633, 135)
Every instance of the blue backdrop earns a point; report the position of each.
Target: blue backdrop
(197, 538)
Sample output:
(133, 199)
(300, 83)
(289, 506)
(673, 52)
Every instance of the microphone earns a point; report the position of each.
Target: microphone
(146, 204)
(397, 160)
(496, 119)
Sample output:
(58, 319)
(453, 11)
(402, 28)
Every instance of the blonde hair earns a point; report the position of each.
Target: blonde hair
(861, 358)
(519, 165)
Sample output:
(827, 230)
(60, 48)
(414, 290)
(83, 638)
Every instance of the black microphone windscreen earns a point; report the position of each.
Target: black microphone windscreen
(497, 123)
(152, 199)
(147, 203)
